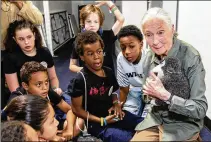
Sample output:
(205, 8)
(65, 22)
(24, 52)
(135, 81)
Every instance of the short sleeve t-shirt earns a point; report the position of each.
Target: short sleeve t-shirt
(53, 97)
(13, 62)
(99, 89)
(129, 74)
(109, 39)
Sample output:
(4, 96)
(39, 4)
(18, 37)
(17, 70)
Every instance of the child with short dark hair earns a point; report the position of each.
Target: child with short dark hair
(101, 99)
(35, 80)
(130, 69)
(17, 131)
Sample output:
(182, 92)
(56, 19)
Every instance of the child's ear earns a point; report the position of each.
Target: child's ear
(25, 86)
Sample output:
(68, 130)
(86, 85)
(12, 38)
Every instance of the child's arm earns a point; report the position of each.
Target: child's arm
(12, 81)
(68, 132)
(120, 18)
(80, 112)
(54, 80)
(123, 94)
(73, 66)
(117, 106)
(74, 59)
(71, 119)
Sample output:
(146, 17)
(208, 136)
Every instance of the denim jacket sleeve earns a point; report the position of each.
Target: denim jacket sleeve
(196, 106)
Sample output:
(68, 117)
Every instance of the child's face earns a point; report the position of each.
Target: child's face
(93, 56)
(92, 22)
(38, 84)
(49, 126)
(25, 38)
(131, 47)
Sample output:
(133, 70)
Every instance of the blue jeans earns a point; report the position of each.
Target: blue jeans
(134, 103)
(120, 131)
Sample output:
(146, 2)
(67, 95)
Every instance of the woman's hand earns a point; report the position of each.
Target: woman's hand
(154, 88)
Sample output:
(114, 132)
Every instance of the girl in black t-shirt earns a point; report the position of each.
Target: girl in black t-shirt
(91, 19)
(23, 43)
(101, 100)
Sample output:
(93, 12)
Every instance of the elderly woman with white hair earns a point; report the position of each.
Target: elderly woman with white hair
(178, 119)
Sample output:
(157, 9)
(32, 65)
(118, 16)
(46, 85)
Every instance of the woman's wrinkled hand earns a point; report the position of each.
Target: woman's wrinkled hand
(154, 88)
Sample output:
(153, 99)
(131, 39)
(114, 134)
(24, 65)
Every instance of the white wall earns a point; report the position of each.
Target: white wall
(194, 27)
(171, 8)
(133, 12)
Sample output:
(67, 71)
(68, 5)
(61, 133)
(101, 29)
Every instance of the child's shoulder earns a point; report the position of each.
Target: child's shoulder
(43, 50)
(79, 76)
(107, 70)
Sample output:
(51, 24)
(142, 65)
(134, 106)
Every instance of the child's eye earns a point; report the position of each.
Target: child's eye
(89, 53)
(21, 39)
(38, 84)
(100, 51)
(123, 47)
(29, 37)
(132, 46)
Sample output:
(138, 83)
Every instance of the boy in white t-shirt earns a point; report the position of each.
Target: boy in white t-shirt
(130, 70)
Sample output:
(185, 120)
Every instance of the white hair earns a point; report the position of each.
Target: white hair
(154, 13)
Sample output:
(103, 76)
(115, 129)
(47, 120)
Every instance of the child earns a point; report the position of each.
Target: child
(130, 69)
(91, 19)
(101, 85)
(36, 112)
(23, 44)
(17, 131)
(34, 77)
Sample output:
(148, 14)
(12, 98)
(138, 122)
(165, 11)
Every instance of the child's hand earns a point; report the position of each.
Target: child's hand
(58, 91)
(67, 134)
(117, 111)
(110, 119)
(100, 3)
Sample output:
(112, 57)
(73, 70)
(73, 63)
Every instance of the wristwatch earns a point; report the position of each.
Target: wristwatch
(169, 100)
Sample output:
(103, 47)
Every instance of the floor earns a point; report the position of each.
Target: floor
(62, 59)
